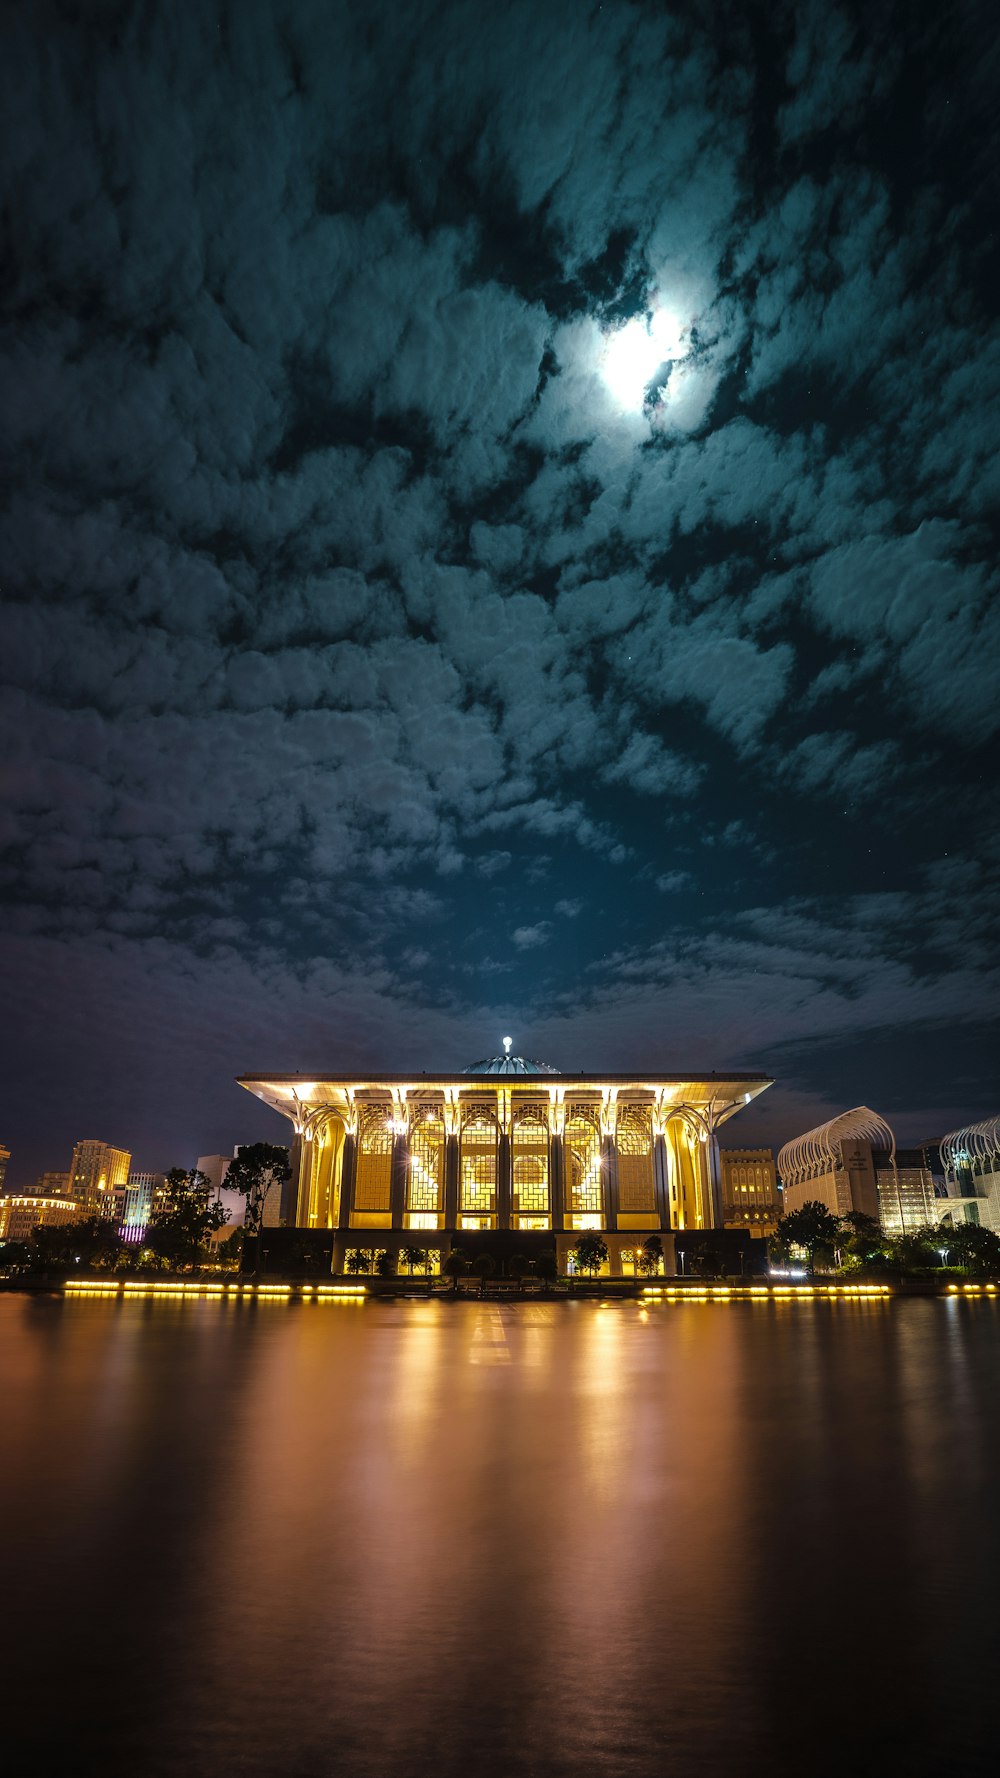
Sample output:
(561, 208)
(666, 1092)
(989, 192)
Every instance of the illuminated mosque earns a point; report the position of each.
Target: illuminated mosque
(505, 1148)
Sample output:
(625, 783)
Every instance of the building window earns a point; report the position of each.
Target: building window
(530, 1170)
(635, 1159)
(478, 1171)
(425, 1181)
(582, 1148)
(374, 1178)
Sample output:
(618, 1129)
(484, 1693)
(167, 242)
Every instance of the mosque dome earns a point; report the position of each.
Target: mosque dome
(508, 1064)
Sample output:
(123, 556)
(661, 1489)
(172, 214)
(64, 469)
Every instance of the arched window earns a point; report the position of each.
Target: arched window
(636, 1194)
(374, 1180)
(582, 1149)
(477, 1171)
(530, 1170)
(425, 1178)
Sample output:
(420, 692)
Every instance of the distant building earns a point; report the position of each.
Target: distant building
(906, 1194)
(971, 1164)
(20, 1212)
(4, 1158)
(750, 1197)
(97, 1169)
(52, 1185)
(215, 1167)
(135, 1203)
(852, 1164)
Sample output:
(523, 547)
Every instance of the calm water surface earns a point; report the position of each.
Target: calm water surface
(530, 1539)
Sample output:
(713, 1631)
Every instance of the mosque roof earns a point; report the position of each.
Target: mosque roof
(508, 1064)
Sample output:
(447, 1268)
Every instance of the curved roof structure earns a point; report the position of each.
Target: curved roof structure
(508, 1064)
(819, 1151)
(978, 1145)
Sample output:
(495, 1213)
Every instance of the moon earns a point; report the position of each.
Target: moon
(634, 352)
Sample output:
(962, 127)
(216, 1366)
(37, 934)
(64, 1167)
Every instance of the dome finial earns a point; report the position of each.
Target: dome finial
(507, 1045)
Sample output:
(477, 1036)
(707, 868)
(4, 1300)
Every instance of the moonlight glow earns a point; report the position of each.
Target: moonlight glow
(634, 353)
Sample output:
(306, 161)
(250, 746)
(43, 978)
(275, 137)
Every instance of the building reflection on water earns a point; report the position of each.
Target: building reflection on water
(539, 1538)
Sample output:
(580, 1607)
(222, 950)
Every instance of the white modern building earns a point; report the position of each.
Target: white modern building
(971, 1161)
(851, 1164)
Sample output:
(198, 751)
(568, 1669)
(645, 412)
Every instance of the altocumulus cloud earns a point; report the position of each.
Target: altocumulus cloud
(355, 626)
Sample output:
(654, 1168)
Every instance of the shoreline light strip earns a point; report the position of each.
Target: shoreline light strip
(182, 1292)
(779, 1293)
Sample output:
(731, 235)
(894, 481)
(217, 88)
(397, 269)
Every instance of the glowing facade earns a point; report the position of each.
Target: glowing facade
(750, 1197)
(98, 1169)
(21, 1212)
(507, 1145)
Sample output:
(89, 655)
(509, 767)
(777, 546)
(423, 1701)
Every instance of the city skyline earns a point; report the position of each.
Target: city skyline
(500, 537)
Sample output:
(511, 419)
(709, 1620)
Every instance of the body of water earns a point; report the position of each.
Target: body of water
(462, 1538)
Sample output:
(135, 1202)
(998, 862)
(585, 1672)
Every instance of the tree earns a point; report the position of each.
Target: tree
(706, 1256)
(358, 1260)
(415, 1259)
(65, 1246)
(16, 1256)
(519, 1266)
(812, 1226)
(913, 1251)
(547, 1267)
(230, 1251)
(384, 1265)
(484, 1265)
(257, 1167)
(455, 1266)
(590, 1253)
(187, 1215)
(974, 1247)
(649, 1257)
(862, 1237)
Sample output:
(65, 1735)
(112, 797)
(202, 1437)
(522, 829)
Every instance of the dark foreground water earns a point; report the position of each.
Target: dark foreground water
(528, 1539)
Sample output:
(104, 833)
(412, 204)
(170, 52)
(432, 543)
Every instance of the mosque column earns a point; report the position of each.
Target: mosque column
(661, 1179)
(348, 1174)
(609, 1182)
(295, 1193)
(557, 1175)
(397, 1180)
(451, 1182)
(504, 1182)
(713, 1168)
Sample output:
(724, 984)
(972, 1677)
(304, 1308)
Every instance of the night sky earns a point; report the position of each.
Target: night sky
(398, 652)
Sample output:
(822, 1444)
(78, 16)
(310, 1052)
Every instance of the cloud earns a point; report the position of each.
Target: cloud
(344, 603)
(529, 938)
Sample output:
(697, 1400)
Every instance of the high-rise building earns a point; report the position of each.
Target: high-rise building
(52, 1185)
(750, 1197)
(4, 1158)
(97, 1169)
(135, 1202)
